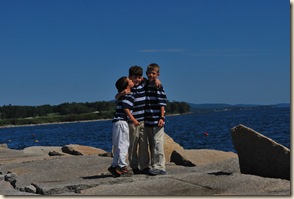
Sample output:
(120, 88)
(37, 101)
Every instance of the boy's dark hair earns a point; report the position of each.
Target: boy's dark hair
(135, 70)
(152, 67)
(121, 84)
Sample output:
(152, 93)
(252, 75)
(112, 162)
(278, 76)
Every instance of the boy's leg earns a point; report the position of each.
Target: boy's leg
(143, 148)
(159, 156)
(150, 137)
(115, 138)
(123, 143)
(133, 153)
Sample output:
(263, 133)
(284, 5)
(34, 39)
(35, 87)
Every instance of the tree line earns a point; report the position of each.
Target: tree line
(19, 115)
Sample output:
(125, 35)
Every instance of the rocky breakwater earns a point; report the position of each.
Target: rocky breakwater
(82, 170)
(260, 155)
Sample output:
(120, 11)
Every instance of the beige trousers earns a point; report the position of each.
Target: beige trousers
(156, 144)
(138, 150)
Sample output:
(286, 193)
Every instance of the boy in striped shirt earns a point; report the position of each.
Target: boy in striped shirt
(136, 131)
(154, 120)
(120, 130)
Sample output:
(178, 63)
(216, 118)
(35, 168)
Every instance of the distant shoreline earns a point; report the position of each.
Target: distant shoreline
(13, 126)
(70, 122)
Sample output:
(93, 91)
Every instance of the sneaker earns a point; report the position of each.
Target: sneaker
(145, 171)
(154, 172)
(113, 172)
(136, 171)
(124, 172)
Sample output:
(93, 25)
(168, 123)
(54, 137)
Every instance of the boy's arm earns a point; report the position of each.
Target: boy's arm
(123, 93)
(161, 119)
(129, 114)
(158, 83)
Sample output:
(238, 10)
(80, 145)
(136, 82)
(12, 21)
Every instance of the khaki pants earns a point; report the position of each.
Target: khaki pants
(156, 143)
(138, 150)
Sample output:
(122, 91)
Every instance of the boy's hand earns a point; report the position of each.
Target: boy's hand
(136, 123)
(158, 83)
(160, 123)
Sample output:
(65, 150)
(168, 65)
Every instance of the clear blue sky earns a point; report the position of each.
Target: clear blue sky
(210, 51)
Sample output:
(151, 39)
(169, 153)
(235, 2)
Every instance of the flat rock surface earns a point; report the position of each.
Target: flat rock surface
(88, 175)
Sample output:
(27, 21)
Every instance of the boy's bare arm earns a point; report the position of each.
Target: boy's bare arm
(158, 83)
(161, 120)
(123, 93)
(129, 114)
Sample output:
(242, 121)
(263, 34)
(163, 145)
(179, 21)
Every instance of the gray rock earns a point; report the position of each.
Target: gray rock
(215, 173)
(88, 175)
(70, 150)
(55, 153)
(10, 177)
(30, 189)
(75, 149)
(259, 155)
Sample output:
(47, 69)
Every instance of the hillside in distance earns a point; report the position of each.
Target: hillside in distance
(206, 107)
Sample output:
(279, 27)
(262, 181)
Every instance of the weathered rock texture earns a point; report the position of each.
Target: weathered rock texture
(33, 171)
(259, 155)
(75, 149)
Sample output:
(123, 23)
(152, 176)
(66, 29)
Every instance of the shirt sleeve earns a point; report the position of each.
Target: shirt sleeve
(128, 102)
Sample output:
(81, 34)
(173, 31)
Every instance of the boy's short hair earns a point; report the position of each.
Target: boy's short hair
(153, 66)
(121, 84)
(135, 70)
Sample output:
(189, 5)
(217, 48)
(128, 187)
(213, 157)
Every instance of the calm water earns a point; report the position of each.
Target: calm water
(192, 131)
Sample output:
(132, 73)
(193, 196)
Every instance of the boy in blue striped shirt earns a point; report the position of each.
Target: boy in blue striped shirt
(154, 120)
(139, 165)
(120, 130)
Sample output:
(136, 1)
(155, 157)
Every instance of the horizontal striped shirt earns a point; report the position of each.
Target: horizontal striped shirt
(124, 102)
(155, 98)
(139, 102)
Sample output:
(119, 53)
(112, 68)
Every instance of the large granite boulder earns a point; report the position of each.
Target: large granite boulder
(260, 155)
(75, 149)
(194, 157)
(175, 152)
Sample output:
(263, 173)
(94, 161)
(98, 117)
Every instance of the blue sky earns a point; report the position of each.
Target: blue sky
(217, 51)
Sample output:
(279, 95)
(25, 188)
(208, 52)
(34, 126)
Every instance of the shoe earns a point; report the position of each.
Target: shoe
(145, 171)
(154, 172)
(136, 171)
(124, 172)
(113, 172)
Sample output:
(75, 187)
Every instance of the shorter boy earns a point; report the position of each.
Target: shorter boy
(120, 130)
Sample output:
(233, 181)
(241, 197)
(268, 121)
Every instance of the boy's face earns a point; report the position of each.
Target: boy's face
(152, 74)
(130, 83)
(137, 79)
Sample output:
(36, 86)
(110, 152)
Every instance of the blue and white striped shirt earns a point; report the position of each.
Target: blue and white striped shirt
(139, 102)
(124, 102)
(155, 98)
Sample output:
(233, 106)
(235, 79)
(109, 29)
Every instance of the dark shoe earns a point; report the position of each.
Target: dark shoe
(124, 172)
(136, 171)
(113, 172)
(154, 172)
(145, 171)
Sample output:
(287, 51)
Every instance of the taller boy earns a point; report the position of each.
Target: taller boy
(154, 120)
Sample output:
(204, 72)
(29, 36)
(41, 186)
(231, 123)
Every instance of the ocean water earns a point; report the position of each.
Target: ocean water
(192, 131)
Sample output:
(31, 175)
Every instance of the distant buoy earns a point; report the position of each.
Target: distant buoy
(206, 133)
